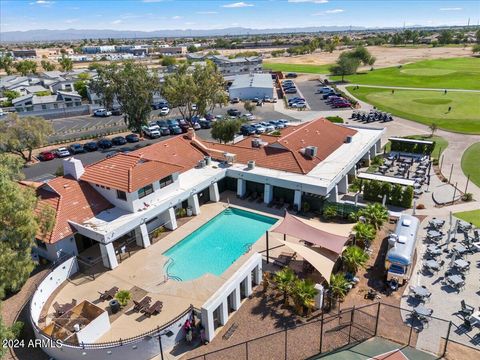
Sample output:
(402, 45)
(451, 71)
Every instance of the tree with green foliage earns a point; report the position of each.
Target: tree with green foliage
(285, 281)
(354, 258)
(445, 37)
(81, 85)
(104, 84)
(345, 65)
(47, 65)
(168, 61)
(26, 67)
(18, 226)
(375, 214)
(192, 49)
(303, 293)
(20, 135)
(407, 197)
(339, 286)
(10, 95)
(225, 130)
(195, 92)
(9, 332)
(361, 53)
(249, 106)
(365, 233)
(66, 64)
(6, 63)
(476, 49)
(330, 47)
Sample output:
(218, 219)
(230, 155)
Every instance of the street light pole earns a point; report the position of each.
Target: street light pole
(160, 343)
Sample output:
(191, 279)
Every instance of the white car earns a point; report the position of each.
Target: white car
(324, 90)
(250, 116)
(299, 105)
(259, 128)
(269, 127)
(62, 152)
(152, 132)
(164, 111)
(102, 113)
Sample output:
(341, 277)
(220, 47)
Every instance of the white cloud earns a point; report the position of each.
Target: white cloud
(42, 2)
(237, 5)
(116, 22)
(70, 21)
(176, 17)
(332, 11)
(451, 9)
(151, 1)
(309, 1)
(207, 12)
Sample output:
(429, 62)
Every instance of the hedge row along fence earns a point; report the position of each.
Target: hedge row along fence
(396, 194)
(413, 148)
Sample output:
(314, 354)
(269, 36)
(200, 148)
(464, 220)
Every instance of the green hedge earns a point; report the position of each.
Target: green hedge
(341, 210)
(412, 148)
(335, 119)
(397, 195)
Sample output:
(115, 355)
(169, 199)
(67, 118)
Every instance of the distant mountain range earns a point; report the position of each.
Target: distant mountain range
(75, 34)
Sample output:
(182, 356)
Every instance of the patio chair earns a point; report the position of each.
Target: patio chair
(108, 294)
(142, 304)
(156, 308)
(253, 196)
(280, 203)
(58, 309)
(466, 309)
(260, 198)
(285, 259)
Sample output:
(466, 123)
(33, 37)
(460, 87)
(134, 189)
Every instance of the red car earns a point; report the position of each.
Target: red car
(46, 156)
(342, 105)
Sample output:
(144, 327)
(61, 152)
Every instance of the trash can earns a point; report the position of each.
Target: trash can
(114, 306)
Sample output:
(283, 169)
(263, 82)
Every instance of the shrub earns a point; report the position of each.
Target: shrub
(181, 212)
(354, 258)
(275, 133)
(335, 119)
(59, 171)
(435, 162)
(352, 217)
(420, 206)
(407, 197)
(329, 212)
(467, 197)
(305, 207)
(158, 231)
(123, 296)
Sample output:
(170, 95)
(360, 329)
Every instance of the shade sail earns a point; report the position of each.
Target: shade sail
(322, 262)
(293, 226)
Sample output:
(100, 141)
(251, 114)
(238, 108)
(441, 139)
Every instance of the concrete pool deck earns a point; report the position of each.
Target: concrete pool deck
(143, 274)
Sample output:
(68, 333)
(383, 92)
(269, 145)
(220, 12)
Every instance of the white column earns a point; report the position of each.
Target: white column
(297, 199)
(141, 235)
(241, 187)
(194, 204)
(353, 171)
(214, 194)
(207, 322)
(268, 194)
(171, 222)
(249, 284)
(224, 312)
(366, 156)
(236, 298)
(257, 275)
(378, 146)
(333, 196)
(372, 152)
(108, 255)
(343, 185)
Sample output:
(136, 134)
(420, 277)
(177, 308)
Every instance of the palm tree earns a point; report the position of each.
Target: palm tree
(375, 214)
(339, 286)
(304, 293)
(354, 258)
(364, 232)
(285, 280)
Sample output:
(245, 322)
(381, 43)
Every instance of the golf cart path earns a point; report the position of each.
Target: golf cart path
(411, 88)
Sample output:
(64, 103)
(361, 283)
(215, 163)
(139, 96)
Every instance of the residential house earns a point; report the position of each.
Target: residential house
(60, 100)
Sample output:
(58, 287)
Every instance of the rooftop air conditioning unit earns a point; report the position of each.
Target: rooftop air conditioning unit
(208, 160)
(201, 164)
(256, 142)
(311, 151)
(251, 164)
(349, 139)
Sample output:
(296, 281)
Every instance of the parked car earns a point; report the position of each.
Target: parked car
(46, 156)
(152, 131)
(172, 122)
(76, 149)
(219, 117)
(119, 140)
(62, 152)
(132, 138)
(104, 144)
(233, 112)
(235, 100)
(250, 117)
(111, 153)
(194, 107)
(184, 125)
(343, 104)
(295, 99)
(160, 104)
(268, 126)
(175, 130)
(102, 113)
(291, 91)
(299, 105)
(205, 124)
(327, 95)
(324, 90)
(90, 146)
(209, 117)
(278, 124)
(164, 111)
(117, 111)
(283, 121)
(259, 128)
(164, 130)
(291, 75)
(247, 130)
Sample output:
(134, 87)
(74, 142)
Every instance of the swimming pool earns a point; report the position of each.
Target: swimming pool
(214, 246)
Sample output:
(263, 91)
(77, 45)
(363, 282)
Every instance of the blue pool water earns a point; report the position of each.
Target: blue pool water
(217, 244)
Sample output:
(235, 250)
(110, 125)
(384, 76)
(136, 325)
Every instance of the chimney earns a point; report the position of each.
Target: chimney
(73, 167)
(190, 133)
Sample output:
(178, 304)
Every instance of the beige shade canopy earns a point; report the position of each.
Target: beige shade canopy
(320, 259)
(293, 226)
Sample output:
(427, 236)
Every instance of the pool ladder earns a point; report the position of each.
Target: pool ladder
(167, 266)
(247, 248)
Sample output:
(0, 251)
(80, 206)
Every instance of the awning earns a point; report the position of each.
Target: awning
(322, 261)
(293, 226)
(385, 178)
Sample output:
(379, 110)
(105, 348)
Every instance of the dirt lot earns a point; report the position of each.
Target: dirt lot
(386, 56)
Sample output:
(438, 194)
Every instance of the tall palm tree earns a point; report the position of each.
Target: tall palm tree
(304, 293)
(365, 233)
(375, 214)
(339, 286)
(285, 280)
(354, 258)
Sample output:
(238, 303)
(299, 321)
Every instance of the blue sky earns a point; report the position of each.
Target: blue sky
(150, 15)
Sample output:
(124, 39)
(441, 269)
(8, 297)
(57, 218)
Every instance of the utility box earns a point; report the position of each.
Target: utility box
(319, 296)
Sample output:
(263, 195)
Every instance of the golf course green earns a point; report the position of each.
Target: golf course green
(454, 73)
(469, 216)
(298, 68)
(471, 163)
(427, 107)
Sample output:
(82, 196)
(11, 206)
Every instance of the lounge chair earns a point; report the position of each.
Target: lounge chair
(253, 196)
(280, 203)
(285, 259)
(260, 198)
(142, 304)
(466, 310)
(108, 294)
(156, 308)
(58, 308)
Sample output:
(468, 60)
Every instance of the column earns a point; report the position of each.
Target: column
(241, 187)
(207, 322)
(297, 199)
(236, 298)
(249, 284)
(171, 219)
(214, 194)
(366, 157)
(224, 312)
(268, 194)
(333, 196)
(194, 204)
(378, 146)
(141, 235)
(343, 185)
(257, 275)
(108, 255)
(353, 171)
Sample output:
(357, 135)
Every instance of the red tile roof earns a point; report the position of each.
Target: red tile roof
(70, 200)
(128, 172)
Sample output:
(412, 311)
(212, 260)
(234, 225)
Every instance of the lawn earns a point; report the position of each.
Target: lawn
(455, 73)
(440, 144)
(471, 163)
(469, 216)
(427, 107)
(299, 68)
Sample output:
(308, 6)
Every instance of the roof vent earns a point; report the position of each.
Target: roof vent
(251, 164)
(256, 142)
(201, 164)
(348, 139)
(208, 160)
(311, 151)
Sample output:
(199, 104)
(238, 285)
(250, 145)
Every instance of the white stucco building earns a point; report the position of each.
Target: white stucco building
(250, 86)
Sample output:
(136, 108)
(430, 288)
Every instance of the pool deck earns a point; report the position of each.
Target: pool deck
(143, 274)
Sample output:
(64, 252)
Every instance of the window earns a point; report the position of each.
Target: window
(166, 181)
(44, 107)
(147, 190)
(122, 195)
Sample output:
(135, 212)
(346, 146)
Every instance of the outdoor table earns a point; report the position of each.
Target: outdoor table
(422, 310)
(383, 167)
(432, 264)
(434, 250)
(461, 264)
(420, 291)
(459, 248)
(422, 167)
(436, 223)
(417, 185)
(417, 192)
(455, 280)
(420, 172)
(475, 318)
(434, 233)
